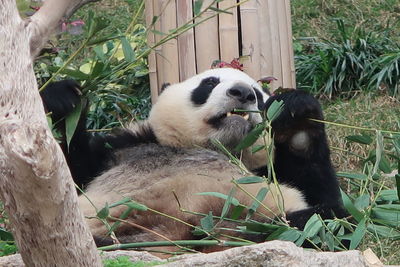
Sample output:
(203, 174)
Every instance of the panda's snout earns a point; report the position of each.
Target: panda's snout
(242, 93)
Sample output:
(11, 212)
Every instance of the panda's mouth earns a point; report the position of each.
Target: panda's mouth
(233, 115)
(244, 115)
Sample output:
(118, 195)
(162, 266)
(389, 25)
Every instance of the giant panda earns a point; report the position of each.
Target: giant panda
(165, 161)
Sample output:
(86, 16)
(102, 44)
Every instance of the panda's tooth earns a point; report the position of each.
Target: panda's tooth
(228, 114)
(246, 117)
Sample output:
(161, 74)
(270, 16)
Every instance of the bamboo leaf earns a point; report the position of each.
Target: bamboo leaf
(228, 203)
(378, 151)
(362, 201)
(251, 137)
(104, 212)
(237, 212)
(233, 200)
(384, 231)
(397, 178)
(265, 228)
(389, 195)
(75, 74)
(129, 54)
(362, 139)
(357, 176)
(99, 52)
(71, 122)
(274, 110)
(358, 215)
(102, 40)
(260, 197)
(136, 206)
(121, 202)
(250, 180)
(257, 148)
(197, 7)
(384, 164)
(290, 234)
(207, 223)
(358, 234)
(312, 227)
(96, 24)
(154, 20)
(97, 69)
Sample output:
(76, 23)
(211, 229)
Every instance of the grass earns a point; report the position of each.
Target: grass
(371, 111)
(365, 110)
(316, 18)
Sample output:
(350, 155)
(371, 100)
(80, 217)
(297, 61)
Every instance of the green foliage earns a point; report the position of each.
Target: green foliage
(124, 261)
(357, 61)
(7, 244)
(113, 77)
(7, 249)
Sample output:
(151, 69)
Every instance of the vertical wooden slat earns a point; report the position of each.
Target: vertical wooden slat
(273, 24)
(186, 50)
(228, 32)
(266, 66)
(285, 40)
(292, 69)
(207, 44)
(158, 50)
(170, 60)
(250, 38)
(152, 56)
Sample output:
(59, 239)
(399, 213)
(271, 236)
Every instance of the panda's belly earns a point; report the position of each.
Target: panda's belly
(168, 180)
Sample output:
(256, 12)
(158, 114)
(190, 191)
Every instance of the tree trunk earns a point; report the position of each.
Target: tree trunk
(35, 183)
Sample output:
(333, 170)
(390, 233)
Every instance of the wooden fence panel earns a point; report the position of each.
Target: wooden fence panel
(258, 31)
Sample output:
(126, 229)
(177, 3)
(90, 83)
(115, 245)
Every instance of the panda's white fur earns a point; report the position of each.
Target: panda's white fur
(177, 122)
(168, 175)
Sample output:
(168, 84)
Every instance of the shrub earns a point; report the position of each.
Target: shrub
(361, 61)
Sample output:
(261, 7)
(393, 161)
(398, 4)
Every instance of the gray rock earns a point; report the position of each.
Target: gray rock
(271, 254)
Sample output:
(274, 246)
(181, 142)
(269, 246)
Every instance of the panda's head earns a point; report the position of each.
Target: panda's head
(203, 107)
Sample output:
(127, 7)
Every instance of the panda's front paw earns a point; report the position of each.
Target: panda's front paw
(61, 97)
(299, 107)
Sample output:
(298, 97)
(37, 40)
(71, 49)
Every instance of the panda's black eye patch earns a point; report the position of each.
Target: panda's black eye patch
(260, 99)
(203, 91)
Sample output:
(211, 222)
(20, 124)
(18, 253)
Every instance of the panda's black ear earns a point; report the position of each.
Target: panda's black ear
(164, 86)
(61, 97)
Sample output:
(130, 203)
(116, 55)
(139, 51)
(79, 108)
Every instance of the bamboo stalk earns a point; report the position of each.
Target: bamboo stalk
(178, 242)
(207, 40)
(152, 56)
(170, 62)
(250, 38)
(186, 49)
(228, 32)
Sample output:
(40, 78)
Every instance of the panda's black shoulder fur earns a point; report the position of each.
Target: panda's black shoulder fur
(306, 166)
(88, 154)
